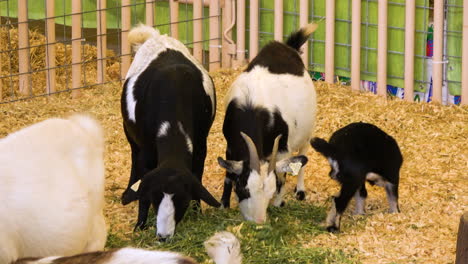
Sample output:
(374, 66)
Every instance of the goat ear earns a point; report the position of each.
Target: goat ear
(200, 192)
(286, 165)
(231, 166)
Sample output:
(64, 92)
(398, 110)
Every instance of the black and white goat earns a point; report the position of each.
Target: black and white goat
(274, 98)
(52, 189)
(168, 106)
(223, 248)
(357, 153)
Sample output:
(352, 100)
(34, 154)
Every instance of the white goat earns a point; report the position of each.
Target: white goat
(223, 248)
(52, 189)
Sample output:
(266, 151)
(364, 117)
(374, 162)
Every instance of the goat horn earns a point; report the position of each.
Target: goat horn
(274, 152)
(254, 160)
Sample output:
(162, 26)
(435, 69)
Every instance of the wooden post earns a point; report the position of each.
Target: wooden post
(174, 18)
(214, 35)
(462, 241)
(464, 97)
(330, 42)
(437, 59)
(227, 20)
(382, 48)
(356, 45)
(279, 20)
(197, 30)
(240, 57)
(409, 49)
(149, 6)
(23, 46)
(253, 46)
(304, 20)
(101, 41)
(50, 46)
(126, 50)
(76, 47)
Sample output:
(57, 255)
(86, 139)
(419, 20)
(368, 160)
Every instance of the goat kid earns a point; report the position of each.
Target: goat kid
(274, 96)
(52, 189)
(168, 106)
(357, 153)
(223, 248)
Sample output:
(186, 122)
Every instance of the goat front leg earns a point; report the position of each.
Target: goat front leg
(339, 205)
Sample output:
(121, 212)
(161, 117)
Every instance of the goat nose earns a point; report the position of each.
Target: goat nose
(260, 220)
(161, 238)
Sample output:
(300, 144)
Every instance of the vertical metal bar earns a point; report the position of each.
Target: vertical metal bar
(240, 32)
(126, 50)
(330, 42)
(149, 6)
(23, 46)
(101, 40)
(382, 48)
(303, 20)
(356, 45)
(214, 62)
(50, 46)
(174, 18)
(464, 95)
(253, 46)
(76, 47)
(197, 30)
(278, 20)
(437, 59)
(409, 48)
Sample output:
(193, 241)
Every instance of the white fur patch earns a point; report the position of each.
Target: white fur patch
(294, 97)
(140, 256)
(165, 221)
(261, 189)
(224, 247)
(163, 129)
(376, 178)
(131, 101)
(187, 138)
(334, 165)
(157, 44)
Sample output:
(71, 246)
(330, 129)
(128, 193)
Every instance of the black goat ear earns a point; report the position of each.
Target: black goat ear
(200, 192)
(231, 166)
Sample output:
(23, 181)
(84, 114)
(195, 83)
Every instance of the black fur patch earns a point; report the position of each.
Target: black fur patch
(279, 59)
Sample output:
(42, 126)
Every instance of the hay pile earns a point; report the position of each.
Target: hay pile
(9, 58)
(434, 176)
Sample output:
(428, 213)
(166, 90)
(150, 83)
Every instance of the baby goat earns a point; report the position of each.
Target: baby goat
(356, 153)
(223, 248)
(52, 189)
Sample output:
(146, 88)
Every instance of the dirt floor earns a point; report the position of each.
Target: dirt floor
(434, 176)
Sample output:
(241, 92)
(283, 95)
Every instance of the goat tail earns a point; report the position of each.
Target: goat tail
(322, 146)
(139, 34)
(298, 38)
(224, 247)
(90, 126)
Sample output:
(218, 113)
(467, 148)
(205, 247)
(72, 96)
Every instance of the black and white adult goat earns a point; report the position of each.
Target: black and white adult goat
(222, 247)
(52, 189)
(357, 153)
(272, 100)
(168, 106)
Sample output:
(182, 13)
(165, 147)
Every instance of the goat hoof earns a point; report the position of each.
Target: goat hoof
(333, 229)
(139, 226)
(225, 204)
(300, 195)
